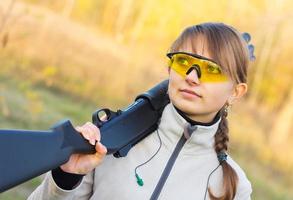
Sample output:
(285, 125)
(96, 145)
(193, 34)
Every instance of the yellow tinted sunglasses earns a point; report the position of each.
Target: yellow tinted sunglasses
(207, 70)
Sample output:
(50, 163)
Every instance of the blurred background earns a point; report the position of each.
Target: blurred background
(65, 59)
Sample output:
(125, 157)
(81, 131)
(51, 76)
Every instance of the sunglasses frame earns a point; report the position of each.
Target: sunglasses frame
(169, 55)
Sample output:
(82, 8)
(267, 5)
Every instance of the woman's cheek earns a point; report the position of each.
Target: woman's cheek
(216, 96)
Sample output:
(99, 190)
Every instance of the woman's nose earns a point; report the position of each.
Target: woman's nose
(192, 77)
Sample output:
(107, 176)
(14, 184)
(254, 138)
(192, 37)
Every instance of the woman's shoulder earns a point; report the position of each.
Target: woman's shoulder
(244, 188)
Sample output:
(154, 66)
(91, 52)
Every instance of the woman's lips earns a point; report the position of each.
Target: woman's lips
(191, 93)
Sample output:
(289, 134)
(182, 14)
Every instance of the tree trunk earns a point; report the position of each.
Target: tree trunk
(6, 15)
(67, 10)
(140, 20)
(124, 14)
(282, 126)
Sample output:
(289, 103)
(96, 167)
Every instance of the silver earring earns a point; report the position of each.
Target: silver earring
(227, 107)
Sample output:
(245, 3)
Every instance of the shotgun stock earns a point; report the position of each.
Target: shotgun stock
(26, 154)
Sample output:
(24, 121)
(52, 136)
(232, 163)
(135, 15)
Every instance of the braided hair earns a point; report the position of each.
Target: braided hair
(221, 146)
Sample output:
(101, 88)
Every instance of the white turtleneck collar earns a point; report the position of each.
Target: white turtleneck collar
(172, 126)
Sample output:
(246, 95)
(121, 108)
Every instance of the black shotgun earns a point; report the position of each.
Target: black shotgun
(25, 154)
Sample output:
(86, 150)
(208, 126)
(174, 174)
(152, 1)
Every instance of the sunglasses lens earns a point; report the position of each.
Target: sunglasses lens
(210, 72)
(180, 64)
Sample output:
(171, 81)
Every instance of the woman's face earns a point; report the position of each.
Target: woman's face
(200, 101)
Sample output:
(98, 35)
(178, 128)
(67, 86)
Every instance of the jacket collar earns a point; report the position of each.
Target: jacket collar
(172, 127)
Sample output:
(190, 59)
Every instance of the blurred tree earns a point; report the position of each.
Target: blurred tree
(262, 68)
(124, 15)
(145, 9)
(68, 8)
(4, 19)
(282, 127)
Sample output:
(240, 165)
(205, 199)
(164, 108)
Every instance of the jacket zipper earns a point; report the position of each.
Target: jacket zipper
(188, 130)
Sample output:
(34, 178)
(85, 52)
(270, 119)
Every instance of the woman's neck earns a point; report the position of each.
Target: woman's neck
(194, 122)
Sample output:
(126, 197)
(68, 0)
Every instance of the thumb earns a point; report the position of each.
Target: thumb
(100, 148)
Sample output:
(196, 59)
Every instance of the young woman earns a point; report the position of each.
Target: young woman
(186, 157)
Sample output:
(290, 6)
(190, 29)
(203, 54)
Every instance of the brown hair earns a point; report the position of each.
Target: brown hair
(229, 50)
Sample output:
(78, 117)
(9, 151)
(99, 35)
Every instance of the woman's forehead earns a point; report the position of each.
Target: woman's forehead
(197, 45)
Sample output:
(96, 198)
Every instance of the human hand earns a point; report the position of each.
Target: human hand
(84, 163)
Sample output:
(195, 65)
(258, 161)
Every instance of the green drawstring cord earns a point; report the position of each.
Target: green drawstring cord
(138, 179)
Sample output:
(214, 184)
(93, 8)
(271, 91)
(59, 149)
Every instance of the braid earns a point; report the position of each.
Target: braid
(230, 177)
(222, 137)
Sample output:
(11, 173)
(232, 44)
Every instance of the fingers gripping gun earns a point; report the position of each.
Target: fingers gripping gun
(25, 154)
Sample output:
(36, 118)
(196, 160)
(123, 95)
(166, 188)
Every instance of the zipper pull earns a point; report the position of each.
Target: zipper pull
(188, 130)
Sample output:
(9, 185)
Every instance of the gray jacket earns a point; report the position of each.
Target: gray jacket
(187, 169)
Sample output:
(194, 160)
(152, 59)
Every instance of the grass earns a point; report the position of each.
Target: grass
(17, 115)
(20, 111)
(21, 191)
(265, 184)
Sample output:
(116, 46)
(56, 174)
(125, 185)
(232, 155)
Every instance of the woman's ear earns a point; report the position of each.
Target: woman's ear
(239, 90)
